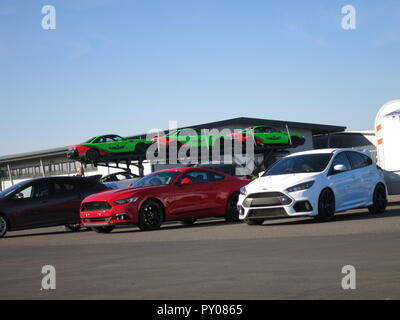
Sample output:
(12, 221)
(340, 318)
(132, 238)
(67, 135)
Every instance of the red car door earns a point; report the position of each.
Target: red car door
(196, 196)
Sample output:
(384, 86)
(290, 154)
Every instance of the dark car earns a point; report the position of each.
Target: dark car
(45, 202)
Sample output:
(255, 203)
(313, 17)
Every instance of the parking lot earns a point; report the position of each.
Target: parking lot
(282, 259)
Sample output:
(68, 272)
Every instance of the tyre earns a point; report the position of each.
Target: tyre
(188, 222)
(254, 222)
(3, 226)
(73, 227)
(106, 229)
(151, 215)
(379, 200)
(92, 155)
(326, 205)
(141, 148)
(297, 141)
(232, 212)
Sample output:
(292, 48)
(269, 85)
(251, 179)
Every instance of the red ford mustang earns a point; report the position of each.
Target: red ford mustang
(183, 194)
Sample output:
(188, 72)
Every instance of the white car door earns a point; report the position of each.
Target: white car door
(342, 183)
(362, 167)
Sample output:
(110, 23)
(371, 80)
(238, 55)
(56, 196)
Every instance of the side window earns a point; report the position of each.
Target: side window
(58, 188)
(341, 158)
(358, 160)
(41, 190)
(25, 193)
(198, 176)
(217, 177)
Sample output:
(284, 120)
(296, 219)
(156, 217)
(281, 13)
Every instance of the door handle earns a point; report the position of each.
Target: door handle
(44, 201)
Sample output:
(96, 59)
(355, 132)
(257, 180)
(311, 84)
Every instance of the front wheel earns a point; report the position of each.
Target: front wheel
(92, 155)
(254, 222)
(326, 205)
(232, 212)
(106, 229)
(73, 227)
(3, 226)
(379, 200)
(151, 216)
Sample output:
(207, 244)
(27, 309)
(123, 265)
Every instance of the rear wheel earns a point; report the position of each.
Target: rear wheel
(106, 229)
(92, 155)
(232, 212)
(3, 226)
(254, 222)
(326, 205)
(141, 148)
(73, 227)
(151, 215)
(379, 200)
(297, 141)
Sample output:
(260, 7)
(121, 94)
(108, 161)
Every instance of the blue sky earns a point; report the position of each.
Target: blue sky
(125, 67)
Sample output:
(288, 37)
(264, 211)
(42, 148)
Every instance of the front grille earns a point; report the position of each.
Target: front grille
(268, 213)
(96, 219)
(266, 199)
(96, 206)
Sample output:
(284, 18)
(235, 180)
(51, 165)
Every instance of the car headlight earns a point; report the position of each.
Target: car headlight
(243, 191)
(301, 186)
(125, 201)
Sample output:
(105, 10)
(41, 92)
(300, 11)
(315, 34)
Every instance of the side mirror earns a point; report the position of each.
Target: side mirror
(130, 185)
(18, 195)
(185, 181)
(339, 168)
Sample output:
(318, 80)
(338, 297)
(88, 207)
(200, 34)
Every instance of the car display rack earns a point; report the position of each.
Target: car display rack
(126, 161)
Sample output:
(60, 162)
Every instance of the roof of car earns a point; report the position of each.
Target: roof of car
(319, 151)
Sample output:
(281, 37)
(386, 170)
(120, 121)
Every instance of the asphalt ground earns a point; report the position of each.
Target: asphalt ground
(282, 259)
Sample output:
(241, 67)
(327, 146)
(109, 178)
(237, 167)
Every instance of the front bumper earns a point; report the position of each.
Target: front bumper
(277, 204)
(116, 215)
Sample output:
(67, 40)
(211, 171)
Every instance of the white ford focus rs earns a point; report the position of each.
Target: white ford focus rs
(314, 183)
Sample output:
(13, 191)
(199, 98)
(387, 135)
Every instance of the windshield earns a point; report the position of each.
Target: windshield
(300, 164)
(11, 189)
(157, 179)
(88, 141)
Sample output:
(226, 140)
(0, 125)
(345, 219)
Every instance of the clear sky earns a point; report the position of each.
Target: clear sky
(125, 67)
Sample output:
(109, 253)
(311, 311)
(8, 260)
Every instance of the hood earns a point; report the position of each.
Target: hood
(280, 182)
(122, 193)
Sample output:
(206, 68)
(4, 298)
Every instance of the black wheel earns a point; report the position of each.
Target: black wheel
(297, 141)
(326, 205)
(3, 226)
(254, 222)
(188, 222)
(141, 148)
(106, 229)
(232, 212)
(92, 155)
(73, 227)
(151, 215)
(379, 199)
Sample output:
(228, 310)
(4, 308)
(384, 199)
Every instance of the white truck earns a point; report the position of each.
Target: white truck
(387, 133)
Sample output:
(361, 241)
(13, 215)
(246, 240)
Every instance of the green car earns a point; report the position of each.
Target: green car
(266, 135)
(191, 138)
(110, 144)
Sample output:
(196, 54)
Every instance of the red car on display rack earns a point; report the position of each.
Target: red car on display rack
(182, 194)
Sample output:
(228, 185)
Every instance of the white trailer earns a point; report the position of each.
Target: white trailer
(387, 133)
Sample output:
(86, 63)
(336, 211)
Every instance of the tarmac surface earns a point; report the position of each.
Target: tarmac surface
(282, 259)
